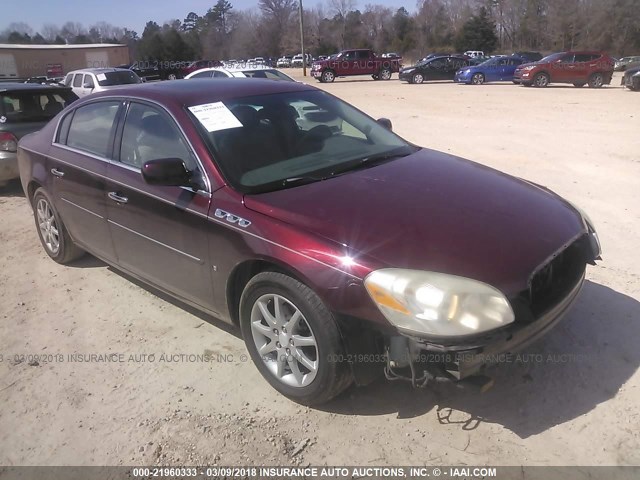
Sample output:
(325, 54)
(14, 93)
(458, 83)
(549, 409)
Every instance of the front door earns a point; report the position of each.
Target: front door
(157, 230)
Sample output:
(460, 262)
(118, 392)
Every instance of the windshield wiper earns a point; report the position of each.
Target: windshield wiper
(369, 162)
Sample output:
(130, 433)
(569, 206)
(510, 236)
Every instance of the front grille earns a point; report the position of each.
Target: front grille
(553, 281)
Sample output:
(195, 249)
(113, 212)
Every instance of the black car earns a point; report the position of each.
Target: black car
(435, 68)
(529, 57)
(631, 78)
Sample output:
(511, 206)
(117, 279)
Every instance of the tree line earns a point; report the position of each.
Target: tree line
(271, 29)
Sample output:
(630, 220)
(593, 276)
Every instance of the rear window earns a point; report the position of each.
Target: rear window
(122, 77)
(38, 106)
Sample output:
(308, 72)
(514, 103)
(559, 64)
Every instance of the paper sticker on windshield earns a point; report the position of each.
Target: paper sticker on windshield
(101, 77)
(215, 116)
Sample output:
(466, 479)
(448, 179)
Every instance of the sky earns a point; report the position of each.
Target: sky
(132, 14)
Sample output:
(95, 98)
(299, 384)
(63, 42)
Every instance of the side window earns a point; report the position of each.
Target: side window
(363, 55)
(77, 80)
(515, 61)
(63, 130)
(150, 134)
(349, 56)
(568, 58)
(91, 127)
(217, 74)
(202, 75)
(88, 81)
(67, 80)
(436, 64)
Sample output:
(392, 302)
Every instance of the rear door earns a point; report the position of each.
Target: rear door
(77, 163)
(157, 230)
(580, 71)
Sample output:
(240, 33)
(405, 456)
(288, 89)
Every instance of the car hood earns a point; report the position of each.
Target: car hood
(432, 211)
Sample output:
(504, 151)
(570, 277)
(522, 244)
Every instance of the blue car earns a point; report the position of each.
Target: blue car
(495, 69)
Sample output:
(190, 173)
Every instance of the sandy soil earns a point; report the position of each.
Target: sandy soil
(578, 409)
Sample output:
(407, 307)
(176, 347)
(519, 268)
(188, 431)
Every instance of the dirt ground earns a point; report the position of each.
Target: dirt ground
(573, 398)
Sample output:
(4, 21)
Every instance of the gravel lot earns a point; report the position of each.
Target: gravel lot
(573, 398)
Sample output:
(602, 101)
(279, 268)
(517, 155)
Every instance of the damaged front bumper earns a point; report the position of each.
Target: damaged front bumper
(421, 361)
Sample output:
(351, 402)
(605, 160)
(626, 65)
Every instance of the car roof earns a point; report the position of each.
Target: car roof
(204, 90)
(13, 86)
(98, 70)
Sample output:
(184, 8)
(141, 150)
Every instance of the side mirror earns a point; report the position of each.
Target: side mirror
(386, 123)
(169, 172)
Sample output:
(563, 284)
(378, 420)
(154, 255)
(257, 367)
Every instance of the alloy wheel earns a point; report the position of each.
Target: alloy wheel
(284, 340)
(541, 80)
(418, 78)
(48, 226)
(478, 79)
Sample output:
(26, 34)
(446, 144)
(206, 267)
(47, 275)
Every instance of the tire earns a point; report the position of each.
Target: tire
(375, 77)
(327, 76)
(385, 74)
(596, 80)
(541, 80)
(477, 79)
(578, 85)
(515, 83)
(173, 76)
(417, 78)
(53, 234)
(316, 327)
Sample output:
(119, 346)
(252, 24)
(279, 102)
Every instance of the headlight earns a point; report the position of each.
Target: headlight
(529, 67)
(407, 70)
(437, 304)
(590, 227)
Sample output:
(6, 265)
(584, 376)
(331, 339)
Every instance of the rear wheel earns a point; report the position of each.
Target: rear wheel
(327, 76)
(596, 80)
(417, 78)
(385, 74)
(477, 79)
(541, 80)
(293, 339)
(578, 85)
(52, 233)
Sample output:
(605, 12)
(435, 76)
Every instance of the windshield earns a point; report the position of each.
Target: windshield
(120, 77)
(268, 142)
(552, 57)
(34, 106)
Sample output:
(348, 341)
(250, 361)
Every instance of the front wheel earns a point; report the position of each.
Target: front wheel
(596, 80)
(477, 79)
(293, 339)
(541, 80)
(578, 85)
(51, 230)
(417, 78)
(327, 76)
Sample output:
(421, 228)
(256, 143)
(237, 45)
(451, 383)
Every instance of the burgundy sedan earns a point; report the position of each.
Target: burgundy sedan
(340, 250)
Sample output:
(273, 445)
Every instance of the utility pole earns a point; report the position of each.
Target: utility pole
(304, 57)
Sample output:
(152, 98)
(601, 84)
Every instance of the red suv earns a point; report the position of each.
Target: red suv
(579, 68)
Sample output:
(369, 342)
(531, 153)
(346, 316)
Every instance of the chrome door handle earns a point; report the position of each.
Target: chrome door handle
(117, 198)
(57, 173)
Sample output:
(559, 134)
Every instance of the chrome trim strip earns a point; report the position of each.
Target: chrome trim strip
(156, 241)
(81, 208)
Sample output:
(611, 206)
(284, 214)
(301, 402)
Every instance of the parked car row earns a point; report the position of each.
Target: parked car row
(578, 68)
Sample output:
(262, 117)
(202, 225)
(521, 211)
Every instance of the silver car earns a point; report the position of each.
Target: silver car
(89, 80)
